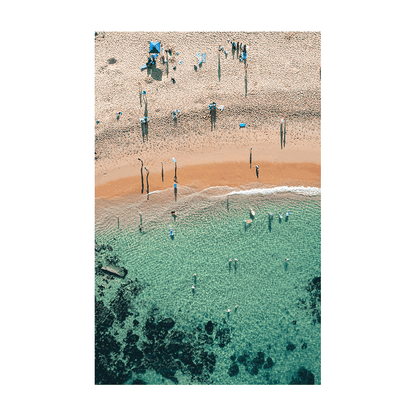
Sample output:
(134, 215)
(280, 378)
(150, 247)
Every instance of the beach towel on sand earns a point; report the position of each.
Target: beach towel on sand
(201, 57)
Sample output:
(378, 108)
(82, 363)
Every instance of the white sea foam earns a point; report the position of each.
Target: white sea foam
(303, 190)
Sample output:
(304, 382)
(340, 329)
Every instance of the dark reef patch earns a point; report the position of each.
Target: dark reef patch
(290, 346)
(303, 376)
(233, 370)
(160, 346)
(269, 363)
(256, 364)
(314, 302)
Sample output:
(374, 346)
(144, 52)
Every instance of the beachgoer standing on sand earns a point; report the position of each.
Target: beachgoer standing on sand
(257, 171)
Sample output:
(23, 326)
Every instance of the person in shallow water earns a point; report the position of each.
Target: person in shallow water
(287, 260)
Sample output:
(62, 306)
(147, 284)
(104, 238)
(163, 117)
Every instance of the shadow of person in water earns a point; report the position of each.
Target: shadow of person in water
(270, 223)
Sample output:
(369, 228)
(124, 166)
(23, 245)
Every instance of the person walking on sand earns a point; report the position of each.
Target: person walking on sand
(257, 171)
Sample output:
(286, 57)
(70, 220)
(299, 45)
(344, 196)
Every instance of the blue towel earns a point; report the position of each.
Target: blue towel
(204, 56)
(242, 124)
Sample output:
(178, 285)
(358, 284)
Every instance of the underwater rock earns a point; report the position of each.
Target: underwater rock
(259, 360)
(304, 346)
(223, 336)
(209, 327)
(269, 363)
(138, 381)
(233, 357)
(314, 288)
(120, 306)
(303, 376)
(294, 322)
(114, 270)
(290, 346)
(167, 323)
(233, 370)
(135, 322)
(243, 358)
(133, 354)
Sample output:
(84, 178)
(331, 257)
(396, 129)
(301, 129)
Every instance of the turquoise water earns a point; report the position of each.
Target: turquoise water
(274, 305)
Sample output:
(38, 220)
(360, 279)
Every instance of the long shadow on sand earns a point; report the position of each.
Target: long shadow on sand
(213, 112)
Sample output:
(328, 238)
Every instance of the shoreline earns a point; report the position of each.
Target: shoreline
(203, 176)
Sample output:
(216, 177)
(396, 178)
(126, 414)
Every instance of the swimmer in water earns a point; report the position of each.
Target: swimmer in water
(235, 260)
(287, 260)
(229, 310)
(287, 213)
(193, 287)
(281, 216)
(235, 307)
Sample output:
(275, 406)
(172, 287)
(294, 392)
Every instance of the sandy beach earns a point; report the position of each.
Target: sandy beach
(280, 81)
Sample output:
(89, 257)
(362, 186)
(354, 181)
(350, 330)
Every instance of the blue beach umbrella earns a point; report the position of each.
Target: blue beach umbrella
(154, 47)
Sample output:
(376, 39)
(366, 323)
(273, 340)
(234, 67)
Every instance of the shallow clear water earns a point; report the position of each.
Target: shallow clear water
(271, 293)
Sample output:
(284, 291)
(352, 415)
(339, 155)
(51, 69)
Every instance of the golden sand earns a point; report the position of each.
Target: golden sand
(232, 174)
